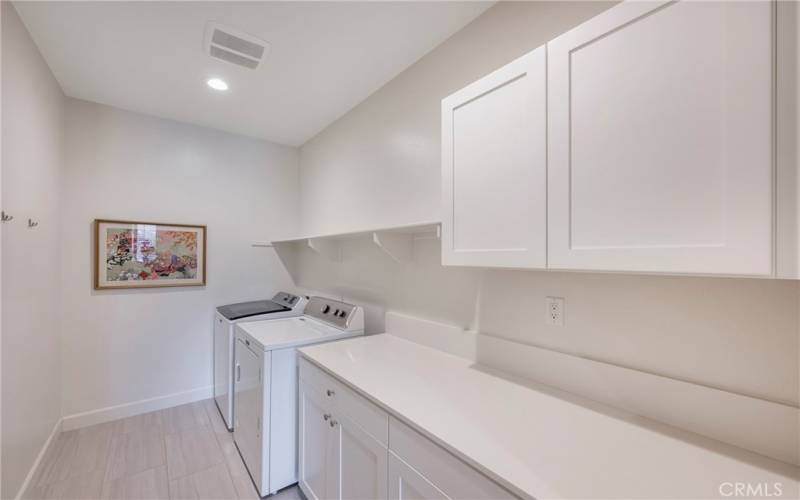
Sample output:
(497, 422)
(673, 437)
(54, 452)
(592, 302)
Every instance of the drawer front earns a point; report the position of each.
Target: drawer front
(344, 400)
(313, 375)
(449, 474)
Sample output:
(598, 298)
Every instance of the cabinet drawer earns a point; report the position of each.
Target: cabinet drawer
(314, 376)
(344, 400)
(449, 474)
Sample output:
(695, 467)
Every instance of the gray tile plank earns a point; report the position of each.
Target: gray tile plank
(290, 493)
(213, 483)
(146, 422)
(188, 416)
(181, 452)
(245, 488)
(57, 461)
(94, 445)
(191, 451)
(134, 452)
(214, 416)
(77, 487)
(151, 484)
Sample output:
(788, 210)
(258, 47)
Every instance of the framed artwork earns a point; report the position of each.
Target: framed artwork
(148, 254)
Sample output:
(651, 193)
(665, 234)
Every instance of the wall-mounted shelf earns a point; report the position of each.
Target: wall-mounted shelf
(327, 247)
(396, 241)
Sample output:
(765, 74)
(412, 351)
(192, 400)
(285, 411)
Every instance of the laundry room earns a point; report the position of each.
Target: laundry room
(400, 250)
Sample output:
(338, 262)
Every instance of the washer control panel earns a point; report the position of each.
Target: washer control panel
(286, 299)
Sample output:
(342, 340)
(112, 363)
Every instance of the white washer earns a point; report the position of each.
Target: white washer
(282, 305)
(265, 429)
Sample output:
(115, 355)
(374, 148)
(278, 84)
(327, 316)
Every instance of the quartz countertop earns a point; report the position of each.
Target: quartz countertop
(536, 441)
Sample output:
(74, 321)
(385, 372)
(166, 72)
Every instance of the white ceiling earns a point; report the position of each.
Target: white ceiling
(325, 57)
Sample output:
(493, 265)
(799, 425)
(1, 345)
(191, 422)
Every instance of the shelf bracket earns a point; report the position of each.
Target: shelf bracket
(328, 248)
(398, 246)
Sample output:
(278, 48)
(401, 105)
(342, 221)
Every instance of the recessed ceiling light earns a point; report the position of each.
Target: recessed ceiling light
(217, 84)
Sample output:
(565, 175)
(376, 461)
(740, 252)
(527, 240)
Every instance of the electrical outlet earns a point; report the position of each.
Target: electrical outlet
(554, 311)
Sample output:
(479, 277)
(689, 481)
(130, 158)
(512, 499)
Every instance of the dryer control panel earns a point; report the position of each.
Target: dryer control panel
(339, 314)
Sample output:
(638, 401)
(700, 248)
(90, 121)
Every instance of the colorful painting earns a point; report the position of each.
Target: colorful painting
(144, 254)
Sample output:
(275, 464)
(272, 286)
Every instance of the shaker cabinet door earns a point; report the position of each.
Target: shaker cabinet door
(363, 467)
(660, 132)
(407, 484)
(494, 163)
(318, 461)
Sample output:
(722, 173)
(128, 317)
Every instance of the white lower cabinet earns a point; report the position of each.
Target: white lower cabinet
(318, 457)
(449, 476)
(363, 462)
(350, 449)
(407, 484)
(338, 458)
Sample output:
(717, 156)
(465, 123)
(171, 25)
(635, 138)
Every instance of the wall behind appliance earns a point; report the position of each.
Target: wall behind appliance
(380, 165)
(32, 140)
(122, 346)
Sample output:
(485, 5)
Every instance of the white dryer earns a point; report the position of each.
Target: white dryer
(265, 429)
(282, 305)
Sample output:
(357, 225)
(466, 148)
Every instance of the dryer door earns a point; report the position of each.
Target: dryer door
(247, 413)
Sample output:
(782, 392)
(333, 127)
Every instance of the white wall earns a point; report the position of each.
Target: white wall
(31, 170)
(380, 165)
(124, 346)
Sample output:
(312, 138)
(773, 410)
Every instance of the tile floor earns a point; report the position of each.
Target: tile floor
(183, 452)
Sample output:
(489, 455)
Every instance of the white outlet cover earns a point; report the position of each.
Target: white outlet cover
(554, 311)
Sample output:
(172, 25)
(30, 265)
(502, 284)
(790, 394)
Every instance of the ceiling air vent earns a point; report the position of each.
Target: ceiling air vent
(235, 47)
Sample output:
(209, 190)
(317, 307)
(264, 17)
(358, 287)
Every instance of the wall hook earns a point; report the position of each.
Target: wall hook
(5, 217)
(32, 224)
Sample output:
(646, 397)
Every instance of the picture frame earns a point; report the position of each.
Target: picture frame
(137, 254)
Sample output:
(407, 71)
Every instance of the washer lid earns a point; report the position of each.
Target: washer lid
(247, 309)
(287, 332)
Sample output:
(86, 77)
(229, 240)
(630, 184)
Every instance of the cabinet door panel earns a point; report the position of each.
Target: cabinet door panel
(318, 465)
(660, 140)
(407, 484)
(448, 473)
(494, 168)
(363, 463)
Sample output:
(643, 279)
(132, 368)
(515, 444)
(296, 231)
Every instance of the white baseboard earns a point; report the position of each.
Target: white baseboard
(101, 415)
(31, 473)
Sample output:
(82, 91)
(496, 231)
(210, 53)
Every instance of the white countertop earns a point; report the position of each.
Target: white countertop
(537, 441)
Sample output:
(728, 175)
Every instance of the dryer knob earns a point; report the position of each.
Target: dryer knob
(325, 309)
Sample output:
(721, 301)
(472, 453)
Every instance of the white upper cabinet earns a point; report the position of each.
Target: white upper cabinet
(494, 168)
(660, 142)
